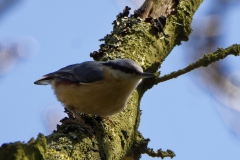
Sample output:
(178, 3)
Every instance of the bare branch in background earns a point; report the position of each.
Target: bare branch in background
(6, 5)
(8, 57)
(10, 52)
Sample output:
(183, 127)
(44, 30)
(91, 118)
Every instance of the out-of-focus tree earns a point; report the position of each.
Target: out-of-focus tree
(209, 33)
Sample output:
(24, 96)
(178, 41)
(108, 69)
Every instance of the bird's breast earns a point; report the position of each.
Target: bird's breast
(102, 98)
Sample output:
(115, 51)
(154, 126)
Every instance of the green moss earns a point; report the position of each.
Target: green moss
(134, 39)
(33, 150)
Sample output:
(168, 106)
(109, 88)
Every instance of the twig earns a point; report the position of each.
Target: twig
(203, 62)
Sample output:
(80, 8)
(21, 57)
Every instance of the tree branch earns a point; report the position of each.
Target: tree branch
(131, 38)
(203, 62)
(156, 9)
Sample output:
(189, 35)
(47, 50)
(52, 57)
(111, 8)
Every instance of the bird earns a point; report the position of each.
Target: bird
(100, 88)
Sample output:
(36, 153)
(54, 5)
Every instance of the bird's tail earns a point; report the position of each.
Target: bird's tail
(44, 81)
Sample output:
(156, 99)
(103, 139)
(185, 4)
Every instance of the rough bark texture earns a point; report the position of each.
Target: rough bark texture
(131, 38)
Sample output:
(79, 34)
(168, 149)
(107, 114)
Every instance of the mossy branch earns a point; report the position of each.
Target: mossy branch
(203, 62)
(159, 153)
(131, 38)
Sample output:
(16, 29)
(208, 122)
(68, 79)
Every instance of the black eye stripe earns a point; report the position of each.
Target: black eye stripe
(121, 68)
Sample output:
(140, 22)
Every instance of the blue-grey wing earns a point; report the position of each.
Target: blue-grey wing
(85, 72)
(90, 71)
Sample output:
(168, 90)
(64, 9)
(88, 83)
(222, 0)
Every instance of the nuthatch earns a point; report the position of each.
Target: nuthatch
(96, 87)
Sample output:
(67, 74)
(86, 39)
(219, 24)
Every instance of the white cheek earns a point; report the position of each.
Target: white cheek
(119, 74)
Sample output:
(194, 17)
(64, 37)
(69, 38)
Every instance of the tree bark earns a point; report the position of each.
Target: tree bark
(132, 38)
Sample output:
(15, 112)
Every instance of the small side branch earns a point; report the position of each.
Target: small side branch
(159, 153)
(203, 62)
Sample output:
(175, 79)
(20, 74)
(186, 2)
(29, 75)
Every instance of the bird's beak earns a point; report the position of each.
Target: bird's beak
(146, 75)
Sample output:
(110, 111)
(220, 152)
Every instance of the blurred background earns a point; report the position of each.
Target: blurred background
(196, 115)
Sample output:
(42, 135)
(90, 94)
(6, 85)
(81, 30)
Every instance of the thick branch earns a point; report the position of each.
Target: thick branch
(203, 62)
(135, 39)
(156, 9)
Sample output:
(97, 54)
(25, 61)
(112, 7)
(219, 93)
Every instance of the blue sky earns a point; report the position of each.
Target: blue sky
(176, 114)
